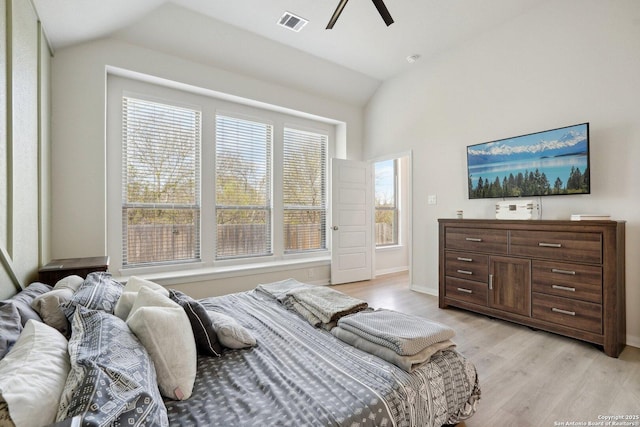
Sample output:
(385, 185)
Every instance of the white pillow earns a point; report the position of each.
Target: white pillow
(124, 304)
(230, 333)
(130, 292)
(135, 283)
(33, 375)
(72, 282)
(164, 329)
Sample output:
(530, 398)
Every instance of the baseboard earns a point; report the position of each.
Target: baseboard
(424, 290)
(633, 341)
(391, 270)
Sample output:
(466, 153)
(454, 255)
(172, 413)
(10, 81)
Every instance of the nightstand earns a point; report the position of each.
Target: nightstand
(61, 268)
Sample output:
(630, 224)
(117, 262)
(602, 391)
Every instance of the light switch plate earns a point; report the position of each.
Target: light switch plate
(432, 199)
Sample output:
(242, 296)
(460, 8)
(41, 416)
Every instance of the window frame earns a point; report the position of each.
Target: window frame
(395, 209)
(210, 103)
(195, 206)
(268, 206)
(324, 190)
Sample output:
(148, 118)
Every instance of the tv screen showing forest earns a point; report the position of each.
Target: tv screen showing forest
(552, 162)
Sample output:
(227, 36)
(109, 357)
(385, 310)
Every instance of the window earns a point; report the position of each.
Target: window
(160, 183)
(386, 202)
(197, 181)
(304, 190)
(243, 187)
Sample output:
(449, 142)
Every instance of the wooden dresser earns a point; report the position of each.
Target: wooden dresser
(565, 277)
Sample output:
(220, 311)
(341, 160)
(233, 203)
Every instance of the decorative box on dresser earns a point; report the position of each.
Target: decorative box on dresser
(565, 277)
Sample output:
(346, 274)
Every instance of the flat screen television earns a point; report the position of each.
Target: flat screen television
(552, 162)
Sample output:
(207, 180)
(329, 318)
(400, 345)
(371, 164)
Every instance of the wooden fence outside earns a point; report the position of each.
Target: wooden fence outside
(167, 242)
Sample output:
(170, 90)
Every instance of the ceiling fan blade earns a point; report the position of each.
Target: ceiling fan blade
(337, 13)
(384, 12)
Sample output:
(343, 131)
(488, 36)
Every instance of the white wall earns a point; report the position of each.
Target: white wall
(78, 132)
(565, 62)
(24, 65)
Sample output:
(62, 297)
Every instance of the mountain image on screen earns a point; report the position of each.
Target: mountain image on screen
(553, 162)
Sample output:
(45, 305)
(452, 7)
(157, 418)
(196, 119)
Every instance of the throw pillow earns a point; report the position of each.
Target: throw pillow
(33, 374)
(72, 282)
(163, 328)
(230, 333)
(134, 284)
(203, 332)
(130, 292)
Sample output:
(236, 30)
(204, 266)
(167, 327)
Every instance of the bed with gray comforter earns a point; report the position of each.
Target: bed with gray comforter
(284, 354)
(301, 375)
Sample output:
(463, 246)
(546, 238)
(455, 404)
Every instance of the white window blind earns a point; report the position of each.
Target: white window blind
(304, 190)
(243, 187)
(386, 203)
(161, 183)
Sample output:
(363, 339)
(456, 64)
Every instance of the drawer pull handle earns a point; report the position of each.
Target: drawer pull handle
(563, 288)
(567, 312)
(559, 271)
(467, 272)
(550, 245)
(491, 282)
(465, 259)
(466, 291)
(473, 239)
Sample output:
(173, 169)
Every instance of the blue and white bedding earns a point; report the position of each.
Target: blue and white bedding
(300, 375)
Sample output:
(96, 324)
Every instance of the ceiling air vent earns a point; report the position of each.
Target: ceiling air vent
(292, 22)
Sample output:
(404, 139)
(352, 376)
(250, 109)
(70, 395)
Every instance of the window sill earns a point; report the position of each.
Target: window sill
(201, 274)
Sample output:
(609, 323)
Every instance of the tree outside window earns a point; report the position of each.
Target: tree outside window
(161, 195)
(304, 190)
(161, 188)
(243, 187)
(386, 202)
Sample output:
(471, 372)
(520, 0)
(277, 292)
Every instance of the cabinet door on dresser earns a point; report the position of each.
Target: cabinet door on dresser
(510, 284)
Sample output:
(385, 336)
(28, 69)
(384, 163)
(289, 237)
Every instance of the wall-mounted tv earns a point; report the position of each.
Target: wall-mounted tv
(552, 162)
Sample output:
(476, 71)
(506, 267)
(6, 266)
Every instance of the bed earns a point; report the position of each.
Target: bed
(293, 374)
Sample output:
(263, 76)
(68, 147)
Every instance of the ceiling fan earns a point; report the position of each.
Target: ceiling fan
(382, 9)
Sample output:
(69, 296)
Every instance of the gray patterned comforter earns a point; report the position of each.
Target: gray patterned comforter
(299, 375)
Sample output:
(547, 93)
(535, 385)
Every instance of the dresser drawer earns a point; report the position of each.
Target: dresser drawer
(464, 265)
(466, 290)
(483, 240)
(558, 246)
(583, 282)
(575, 314)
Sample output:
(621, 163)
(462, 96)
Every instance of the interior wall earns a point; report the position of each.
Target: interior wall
(24, 58)
(561, 63)
(78, 135)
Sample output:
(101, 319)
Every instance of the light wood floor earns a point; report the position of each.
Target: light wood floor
(527, 377)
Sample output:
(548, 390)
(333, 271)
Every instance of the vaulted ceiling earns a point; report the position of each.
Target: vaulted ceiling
(360, 42)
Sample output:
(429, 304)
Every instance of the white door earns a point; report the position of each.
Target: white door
(351, 216)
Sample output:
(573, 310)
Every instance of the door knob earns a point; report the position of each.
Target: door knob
(335, 228)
